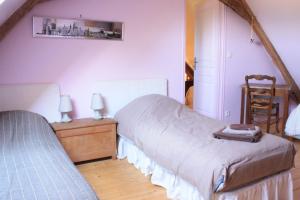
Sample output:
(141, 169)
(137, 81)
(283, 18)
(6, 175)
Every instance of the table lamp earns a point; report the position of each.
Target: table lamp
(65, 107)
(97, 105)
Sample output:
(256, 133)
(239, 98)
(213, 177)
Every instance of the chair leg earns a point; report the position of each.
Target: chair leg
(268, 123)
(277, 120)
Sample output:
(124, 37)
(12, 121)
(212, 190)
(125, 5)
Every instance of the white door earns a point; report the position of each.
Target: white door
(208, 59)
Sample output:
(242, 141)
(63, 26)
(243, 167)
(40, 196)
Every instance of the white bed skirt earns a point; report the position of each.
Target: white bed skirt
(277, 187)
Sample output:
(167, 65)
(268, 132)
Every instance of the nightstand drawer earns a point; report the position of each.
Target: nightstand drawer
(90, 146)
(87, 139)
(84, 131)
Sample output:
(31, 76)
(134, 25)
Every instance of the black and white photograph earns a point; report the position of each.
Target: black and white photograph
(77, 28)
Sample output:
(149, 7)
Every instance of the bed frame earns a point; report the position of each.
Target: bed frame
(117, 94)
(39, 98)
(44, 98)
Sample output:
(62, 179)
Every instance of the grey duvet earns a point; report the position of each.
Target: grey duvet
(33, 164)
(182, 141)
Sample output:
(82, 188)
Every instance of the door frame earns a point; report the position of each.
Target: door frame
(222, 59)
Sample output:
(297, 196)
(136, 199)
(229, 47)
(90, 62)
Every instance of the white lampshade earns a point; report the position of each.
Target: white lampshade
(97, 102)
(65, 103)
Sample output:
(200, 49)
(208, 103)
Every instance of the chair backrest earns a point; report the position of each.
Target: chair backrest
(261, 96)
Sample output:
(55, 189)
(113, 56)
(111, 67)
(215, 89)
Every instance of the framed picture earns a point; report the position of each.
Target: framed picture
(77, 28)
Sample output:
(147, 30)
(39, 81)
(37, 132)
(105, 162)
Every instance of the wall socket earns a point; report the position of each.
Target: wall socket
(227, 113)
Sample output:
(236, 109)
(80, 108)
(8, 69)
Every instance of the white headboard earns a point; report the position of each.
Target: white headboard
(117, 94)
(39, 98)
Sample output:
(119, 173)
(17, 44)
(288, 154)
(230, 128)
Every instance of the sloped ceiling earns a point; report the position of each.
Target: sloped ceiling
(8, 7)
(281, 22)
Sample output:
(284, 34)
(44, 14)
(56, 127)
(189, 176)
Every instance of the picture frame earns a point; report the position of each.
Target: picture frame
(52, 27)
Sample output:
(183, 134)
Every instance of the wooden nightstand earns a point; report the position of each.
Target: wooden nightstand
(87, 139)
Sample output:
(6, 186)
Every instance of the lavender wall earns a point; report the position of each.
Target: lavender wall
(153, 47)
(242, 58)
(281, 22)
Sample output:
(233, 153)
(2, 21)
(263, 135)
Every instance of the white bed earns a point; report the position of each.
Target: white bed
(276, 187)
(292, 127)
(33, 163)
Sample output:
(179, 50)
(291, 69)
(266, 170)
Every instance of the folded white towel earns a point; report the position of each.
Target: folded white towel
(228, 130)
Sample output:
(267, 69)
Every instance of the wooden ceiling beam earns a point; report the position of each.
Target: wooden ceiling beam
(237, 6)
(16, 17)
(242, 8)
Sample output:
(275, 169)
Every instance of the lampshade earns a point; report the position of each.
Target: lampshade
(65, 103)
(97, 102)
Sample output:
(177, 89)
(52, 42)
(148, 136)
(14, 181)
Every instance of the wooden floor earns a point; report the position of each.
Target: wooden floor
(118, 180)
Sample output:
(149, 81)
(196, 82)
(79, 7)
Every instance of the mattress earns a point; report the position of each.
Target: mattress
(181, 141)
(33, 164)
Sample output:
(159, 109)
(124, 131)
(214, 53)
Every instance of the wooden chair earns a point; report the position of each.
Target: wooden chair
(261, 107)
